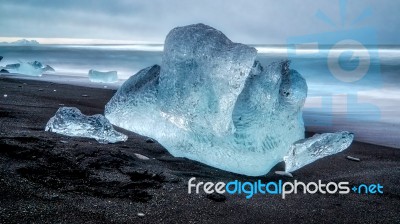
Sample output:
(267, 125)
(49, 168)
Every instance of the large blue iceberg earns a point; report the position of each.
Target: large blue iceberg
(212, 102)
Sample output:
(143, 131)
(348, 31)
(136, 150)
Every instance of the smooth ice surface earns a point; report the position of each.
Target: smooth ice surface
(103, 77)
(34, 68)
(70, 121)
(308, 150)
(211, 101)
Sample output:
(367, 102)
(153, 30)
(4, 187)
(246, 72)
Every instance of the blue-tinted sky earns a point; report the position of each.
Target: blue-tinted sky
(247, 21)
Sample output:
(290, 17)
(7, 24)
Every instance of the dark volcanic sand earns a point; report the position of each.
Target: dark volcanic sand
(46, 177)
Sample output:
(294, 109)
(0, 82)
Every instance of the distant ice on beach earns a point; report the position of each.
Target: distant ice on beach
(34, 68)
(103, 77)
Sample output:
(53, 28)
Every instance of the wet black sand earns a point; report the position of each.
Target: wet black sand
(45, 177)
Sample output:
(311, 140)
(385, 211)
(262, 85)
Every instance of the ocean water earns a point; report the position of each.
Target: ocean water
(349, 88)
(77, 60)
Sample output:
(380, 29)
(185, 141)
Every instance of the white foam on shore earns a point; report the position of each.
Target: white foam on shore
(69, 80)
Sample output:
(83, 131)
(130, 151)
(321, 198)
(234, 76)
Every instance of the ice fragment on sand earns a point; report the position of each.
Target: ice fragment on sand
(308, 150)
(71, 122)
(283, 173)
(142, 157)
(353, 158)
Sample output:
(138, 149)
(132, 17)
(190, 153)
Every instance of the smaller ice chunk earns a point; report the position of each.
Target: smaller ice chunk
(308, 150)
(70, 121)
(103, 77)
(353, 158)
(34, 68)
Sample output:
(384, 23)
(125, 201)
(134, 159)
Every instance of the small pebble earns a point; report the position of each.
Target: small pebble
(353, 158)
(216, 197)
(283, 173)
(84, 95)
(140, 214)
(55, 90)
(54, 196)
(63, 141)
(61, 104)
(5, 95)
(150, 140)
(40, 89)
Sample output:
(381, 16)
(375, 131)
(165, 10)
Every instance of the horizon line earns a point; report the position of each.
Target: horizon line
(45, 40)
(87, 41)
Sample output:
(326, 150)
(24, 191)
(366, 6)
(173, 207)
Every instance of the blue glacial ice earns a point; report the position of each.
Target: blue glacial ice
(103, 77)
(71, 122)
(212, 102)
(34, 68)
(306, 151)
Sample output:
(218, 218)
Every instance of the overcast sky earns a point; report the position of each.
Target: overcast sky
(247, 21)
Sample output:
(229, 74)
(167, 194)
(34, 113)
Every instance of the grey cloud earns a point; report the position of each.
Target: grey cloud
(257, 21)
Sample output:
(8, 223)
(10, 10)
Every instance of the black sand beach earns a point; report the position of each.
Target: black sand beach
(50, 178)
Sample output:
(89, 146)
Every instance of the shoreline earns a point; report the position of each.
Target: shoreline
(65, 79)
(46, 177)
